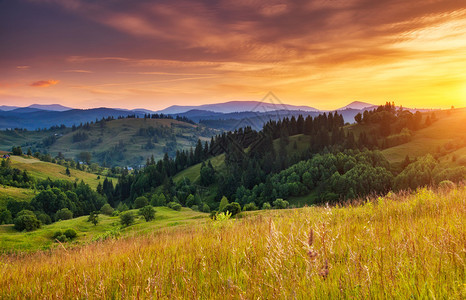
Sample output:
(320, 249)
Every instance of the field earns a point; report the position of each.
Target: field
(44, 170)
(14, 241)
(398, 247)
(449, 128)
(9, 192)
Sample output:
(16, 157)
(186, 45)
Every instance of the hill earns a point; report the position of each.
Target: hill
(400, 246)
(443, 137)
(121, 142)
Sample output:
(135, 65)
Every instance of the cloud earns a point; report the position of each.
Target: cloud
(44, 83)
(78, 71)
(23, 67)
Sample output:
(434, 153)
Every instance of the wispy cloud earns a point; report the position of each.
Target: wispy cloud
(44, 83)
(78, 71)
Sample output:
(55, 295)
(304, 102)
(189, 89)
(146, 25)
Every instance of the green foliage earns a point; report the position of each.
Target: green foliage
(63, 214)
(148, 212)
(205, 208)
(107, 209)
(233, 208)
(446, 185)
(223, 203)
(122, 207)
(26, 220)
(70, 233)
(280, 204)
(94, 218)
(44, 218)
(250, 206)
(266, 205)
(141, 202)
(5, 217)
(17, 151)
(127, 218)
(174, 205)
(158, 200)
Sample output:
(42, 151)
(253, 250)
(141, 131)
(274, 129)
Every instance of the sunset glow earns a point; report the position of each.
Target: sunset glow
(153, 54)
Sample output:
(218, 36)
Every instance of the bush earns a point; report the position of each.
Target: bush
(158, 200)
(281, 204)
(70, 233)
(107, 210)
(174, 206)
(148, 212)
(44, 218)
(266, 205)
(127, 218)
(63, 214)
(122, 207)
(140, 202)
(94, 218)
(250, 206)
(446, 185)
(234, 208)
(26, 220)
(5, 217)
(205, 208)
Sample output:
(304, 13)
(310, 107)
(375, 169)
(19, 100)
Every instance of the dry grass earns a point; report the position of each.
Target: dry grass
(401, 247)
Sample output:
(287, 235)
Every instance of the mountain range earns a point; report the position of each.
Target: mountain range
(228, 115)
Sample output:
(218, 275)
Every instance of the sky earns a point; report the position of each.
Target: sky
(154, 54)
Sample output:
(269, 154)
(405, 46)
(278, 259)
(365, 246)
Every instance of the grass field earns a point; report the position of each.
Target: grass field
(450, 127)
(397, 247)
(14, 241)
(43, 170)
(18, 194)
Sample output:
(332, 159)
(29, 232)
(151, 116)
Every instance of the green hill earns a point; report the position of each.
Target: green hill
(446, 136)
(121, 142)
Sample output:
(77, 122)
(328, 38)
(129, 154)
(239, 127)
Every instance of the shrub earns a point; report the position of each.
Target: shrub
(122, 207)
(266, 205)
(44, 218)
(446, 185)
(148, 212)
(158, 200)
(205, 208)
(281, 204)
(63, 214)
(127, 218)
(233, 208)
(195, 207)
(26, 220)
(107, 209)
(94, 218)
(5, 217)
(174, 206)
(141, 202)
(250, 206)
(70, 233)
(223, 203)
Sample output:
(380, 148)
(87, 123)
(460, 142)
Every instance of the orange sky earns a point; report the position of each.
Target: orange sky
(153, 54)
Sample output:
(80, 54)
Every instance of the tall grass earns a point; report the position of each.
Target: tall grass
(400, 246)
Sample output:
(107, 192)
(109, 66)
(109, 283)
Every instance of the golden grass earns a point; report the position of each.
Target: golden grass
(400, 246)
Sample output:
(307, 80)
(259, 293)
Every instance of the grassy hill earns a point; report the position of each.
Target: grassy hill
(443, 137)
(124, 142)
(12, 240)
(19, 194)
(397, 247)
(43, 170)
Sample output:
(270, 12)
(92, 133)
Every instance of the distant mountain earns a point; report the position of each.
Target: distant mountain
(7, 108)
(237, 106)
(50, 107)
(357, 105)
(33, 118)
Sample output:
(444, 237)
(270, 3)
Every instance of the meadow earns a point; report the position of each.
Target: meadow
(401, 246)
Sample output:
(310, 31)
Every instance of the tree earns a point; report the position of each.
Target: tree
(94, 218)
(63, 214)
(107, 209)
(174, 205)
(85, 157)
(280, 204)
(17, 151)
(223, 203)
(148, 212)
(26, 220)
(5, 217)
(141, 202)
(234, 208)
(358, 118)
(127, 218)
(68, 173)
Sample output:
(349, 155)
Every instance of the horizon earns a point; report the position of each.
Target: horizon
(155, 55)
